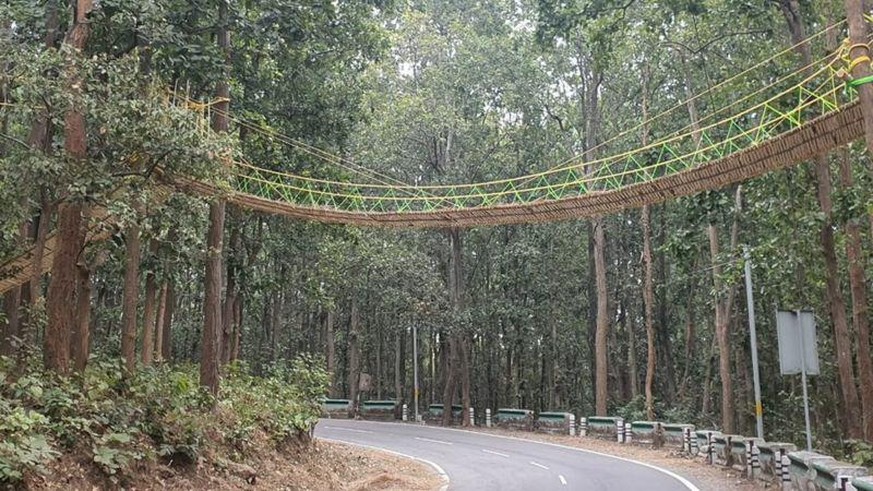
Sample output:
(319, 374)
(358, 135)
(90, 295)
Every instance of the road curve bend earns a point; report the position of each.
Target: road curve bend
(482, 461)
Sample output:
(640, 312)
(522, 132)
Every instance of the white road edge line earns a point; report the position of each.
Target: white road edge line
(433, 441)
(492, 452)
(541, 466)
(563, 481)
(685, 482)
(439, 470)
(346, 429)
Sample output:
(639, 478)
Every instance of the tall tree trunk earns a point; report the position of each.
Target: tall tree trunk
(690, 342)
(40, 139)
(723, 310)
(354, 355)
(81, 338)
(330, 346)
(834, 294)
(62, 289)
(231, 292)
(600, 346)
(858, 37)
(458, 360)
(399, 366)
(649, 302)
(648, 270)
(34, 286)
(860, 315)
(149, 314)
(210, 355)
(159, 323)
(133, 245)
(166, 347)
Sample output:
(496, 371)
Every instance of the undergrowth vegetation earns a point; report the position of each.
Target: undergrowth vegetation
(160, 413)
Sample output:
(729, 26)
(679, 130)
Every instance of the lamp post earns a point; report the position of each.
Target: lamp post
(415, 367)
(753, 337)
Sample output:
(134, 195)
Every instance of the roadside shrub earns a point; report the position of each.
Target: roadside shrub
(158, 412)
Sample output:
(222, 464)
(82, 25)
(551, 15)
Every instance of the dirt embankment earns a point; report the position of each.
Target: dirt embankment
(322, 466)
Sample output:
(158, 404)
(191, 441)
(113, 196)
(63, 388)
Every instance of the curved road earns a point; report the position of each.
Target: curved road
(480, 461)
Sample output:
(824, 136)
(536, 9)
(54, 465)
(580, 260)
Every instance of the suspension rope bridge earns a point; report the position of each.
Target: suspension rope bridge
(791, 118)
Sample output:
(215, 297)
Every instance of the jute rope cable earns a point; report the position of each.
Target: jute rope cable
(612, 158)
(419, 189)
(589, 179)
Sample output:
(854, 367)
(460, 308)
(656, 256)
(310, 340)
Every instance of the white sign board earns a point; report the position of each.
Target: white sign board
(797, 342)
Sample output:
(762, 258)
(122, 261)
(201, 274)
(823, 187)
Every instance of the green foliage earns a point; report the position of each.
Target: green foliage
(860, 453)
(159, 412)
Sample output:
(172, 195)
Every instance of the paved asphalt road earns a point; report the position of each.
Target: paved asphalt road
(479, 461)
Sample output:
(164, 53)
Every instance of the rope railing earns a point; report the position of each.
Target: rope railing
(815, 94)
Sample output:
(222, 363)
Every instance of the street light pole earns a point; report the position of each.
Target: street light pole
(753, 336)
(415, 366)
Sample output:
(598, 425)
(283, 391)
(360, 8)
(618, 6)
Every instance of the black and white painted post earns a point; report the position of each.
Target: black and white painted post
(785, 463)
(488, 417)
(583, 426)
(572, 425)
(686, 440)
(619, 430)
(472, 416)
(752, 464)
(710, 450)
(405, 413)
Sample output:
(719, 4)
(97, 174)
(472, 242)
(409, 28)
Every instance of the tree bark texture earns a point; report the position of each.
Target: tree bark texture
(211, 334)
(149, 316)
(354, 356)
(62, 288)
(602, 335)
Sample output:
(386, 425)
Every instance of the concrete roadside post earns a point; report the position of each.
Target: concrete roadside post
(777, 461)
(754, 462)
(472, 416)
(488, 417)
(628, 433)
(711, 449)
(405, 413)
(572, 425)
(786, 476)
(686, 440)
(619, 430)
(583, 426)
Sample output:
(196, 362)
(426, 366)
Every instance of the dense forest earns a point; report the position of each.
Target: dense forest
(639, 314)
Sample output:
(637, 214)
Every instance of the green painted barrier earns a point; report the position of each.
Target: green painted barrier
(605, 427)
(721, 449)
(384, 410)
(863, 483)
(552, 416)
(770, 459)
(800, 468)
(702, 439)
(674, 434)
(833, 474)
(554, 422)
(646, 432)
(336, 407)
(516, 419)
(435, 413)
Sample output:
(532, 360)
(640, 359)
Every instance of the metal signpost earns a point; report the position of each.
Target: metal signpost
(798, 352)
